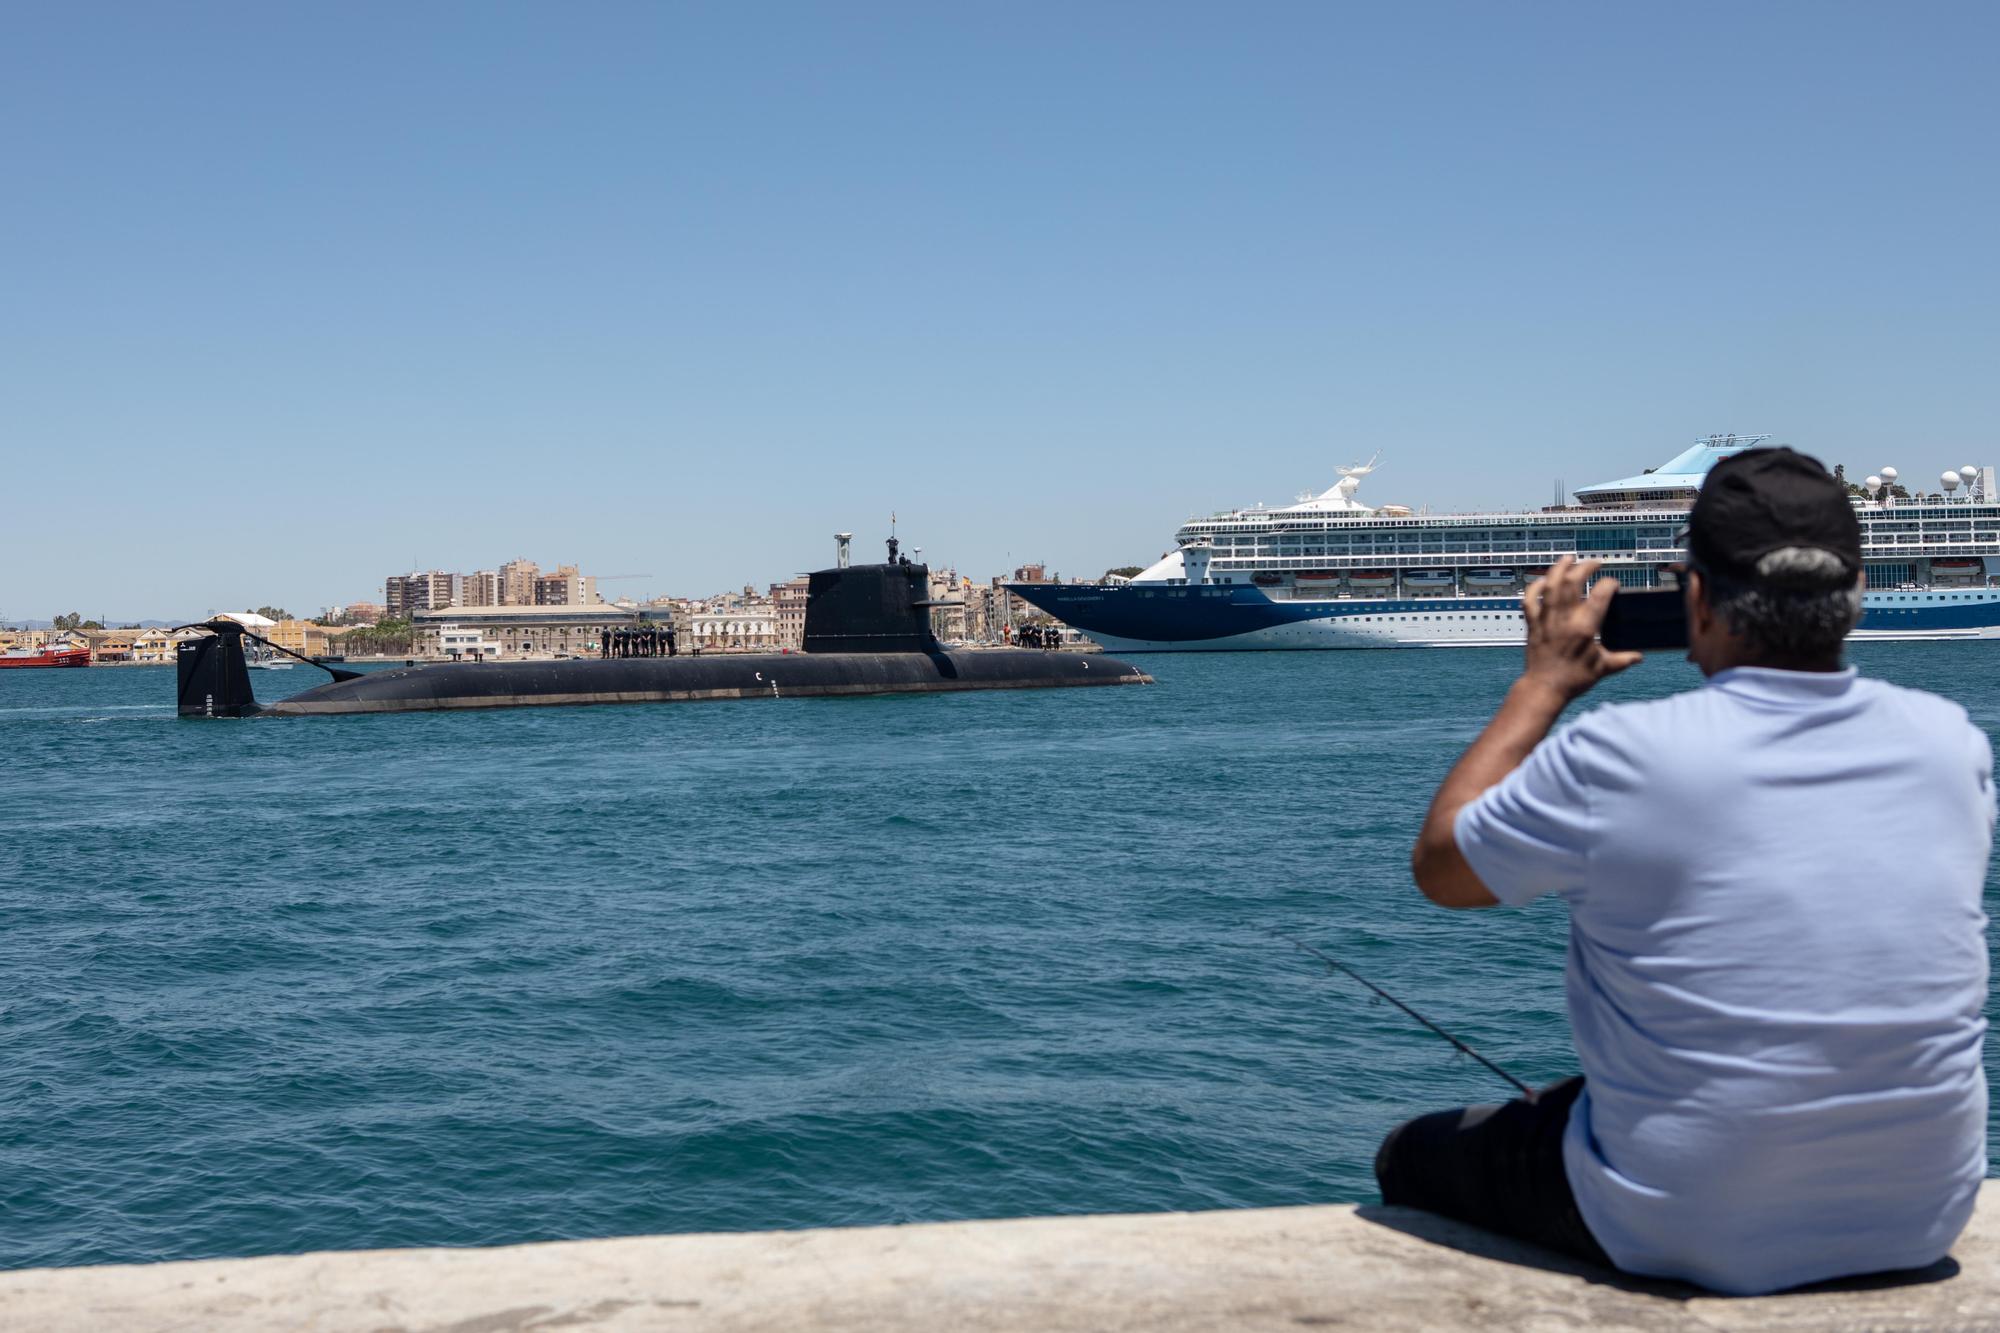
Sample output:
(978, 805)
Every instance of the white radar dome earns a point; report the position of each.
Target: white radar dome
(1950, 480)
(1873, 483)
(1968, 472)
(1890, 474)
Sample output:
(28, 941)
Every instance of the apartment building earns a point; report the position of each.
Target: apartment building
(403, 595)
(517, 583)
(565, 587)
(485, 587)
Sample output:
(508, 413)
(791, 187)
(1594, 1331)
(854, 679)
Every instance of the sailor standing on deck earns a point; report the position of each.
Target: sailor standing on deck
(1777, 963)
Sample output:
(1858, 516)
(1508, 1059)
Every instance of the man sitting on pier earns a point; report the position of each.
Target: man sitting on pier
(1777, 964)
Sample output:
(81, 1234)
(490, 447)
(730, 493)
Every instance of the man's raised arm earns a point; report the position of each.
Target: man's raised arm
(1564, 660)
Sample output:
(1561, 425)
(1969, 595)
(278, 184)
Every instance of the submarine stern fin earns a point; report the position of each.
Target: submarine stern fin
(214, 681)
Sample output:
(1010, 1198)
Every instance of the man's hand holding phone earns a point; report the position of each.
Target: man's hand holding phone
(1564, 655)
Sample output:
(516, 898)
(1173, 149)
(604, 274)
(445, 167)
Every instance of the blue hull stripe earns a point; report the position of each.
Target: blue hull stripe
(1194, 614)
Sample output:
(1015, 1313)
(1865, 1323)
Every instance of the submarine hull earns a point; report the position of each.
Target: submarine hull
(867, 631)
(685, 679)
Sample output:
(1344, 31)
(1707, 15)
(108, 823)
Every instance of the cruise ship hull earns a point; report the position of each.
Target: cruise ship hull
(1131, 618)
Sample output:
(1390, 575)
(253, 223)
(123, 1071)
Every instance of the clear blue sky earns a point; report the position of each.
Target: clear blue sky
(294, 295)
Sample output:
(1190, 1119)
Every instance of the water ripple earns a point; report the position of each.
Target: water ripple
(468, 979)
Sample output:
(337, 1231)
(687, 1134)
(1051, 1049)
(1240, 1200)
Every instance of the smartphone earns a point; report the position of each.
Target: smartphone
(1647, 621)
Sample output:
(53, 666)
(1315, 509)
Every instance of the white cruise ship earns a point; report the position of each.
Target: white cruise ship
(1332, 572)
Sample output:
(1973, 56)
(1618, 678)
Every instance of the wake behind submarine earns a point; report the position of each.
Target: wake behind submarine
(867, 631)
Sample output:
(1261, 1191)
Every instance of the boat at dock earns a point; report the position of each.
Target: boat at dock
(1332, 572)
(45, 657)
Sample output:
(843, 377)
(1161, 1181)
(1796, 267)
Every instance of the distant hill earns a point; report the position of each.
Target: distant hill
(114, 623)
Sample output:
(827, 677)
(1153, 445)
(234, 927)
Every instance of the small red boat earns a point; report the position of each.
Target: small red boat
(45, 657)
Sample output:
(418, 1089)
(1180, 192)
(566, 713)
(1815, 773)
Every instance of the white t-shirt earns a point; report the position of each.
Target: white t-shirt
(1777, 969)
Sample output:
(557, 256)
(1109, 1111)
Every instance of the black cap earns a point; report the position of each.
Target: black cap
(1755, 502)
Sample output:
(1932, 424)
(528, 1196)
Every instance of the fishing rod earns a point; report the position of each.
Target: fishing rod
(1335, 965)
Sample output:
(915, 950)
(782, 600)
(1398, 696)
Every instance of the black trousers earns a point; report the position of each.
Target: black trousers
(1497, 1167)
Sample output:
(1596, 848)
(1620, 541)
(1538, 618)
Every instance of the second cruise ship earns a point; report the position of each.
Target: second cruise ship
(1332, 572)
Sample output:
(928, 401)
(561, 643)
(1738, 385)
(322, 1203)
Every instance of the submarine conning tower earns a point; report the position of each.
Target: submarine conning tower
(869, 609)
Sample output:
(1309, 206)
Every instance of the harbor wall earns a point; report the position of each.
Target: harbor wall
(1375, 1268)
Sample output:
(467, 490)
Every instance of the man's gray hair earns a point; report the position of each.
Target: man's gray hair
(1800, 605)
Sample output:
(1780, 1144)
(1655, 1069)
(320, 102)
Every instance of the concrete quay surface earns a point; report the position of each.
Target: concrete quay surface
(1320, 1267)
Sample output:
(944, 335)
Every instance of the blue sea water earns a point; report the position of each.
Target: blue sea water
(459, 979)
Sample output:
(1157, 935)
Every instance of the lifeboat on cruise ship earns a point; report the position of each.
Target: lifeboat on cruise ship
(1490, 578)
(1267, 579)
(1958, 569)
(1316, 578)
(1370, 579)
(1430, 578)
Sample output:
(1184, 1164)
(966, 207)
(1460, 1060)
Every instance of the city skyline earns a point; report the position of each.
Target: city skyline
(461, 585)
(689, 290)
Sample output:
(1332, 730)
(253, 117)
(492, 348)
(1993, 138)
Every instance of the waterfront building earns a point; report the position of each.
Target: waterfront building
(158, 646)
(751, 629)
(109, 645)
(788, 606)
(521, 631)
(131, 645)
(459, 643)
(359, 613)
(307, 637)
(291, 634)
(734, 622)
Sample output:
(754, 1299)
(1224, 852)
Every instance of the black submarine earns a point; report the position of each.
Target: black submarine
(867, 631)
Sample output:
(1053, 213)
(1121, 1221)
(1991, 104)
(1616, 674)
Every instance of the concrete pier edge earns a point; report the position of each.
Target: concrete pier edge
(1327, 1266)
